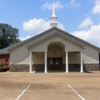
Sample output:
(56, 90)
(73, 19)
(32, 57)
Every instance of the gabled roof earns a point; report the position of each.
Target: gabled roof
(50, 32)
(5, 50)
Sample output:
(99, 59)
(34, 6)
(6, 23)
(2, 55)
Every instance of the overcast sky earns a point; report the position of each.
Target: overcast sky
(78, 17)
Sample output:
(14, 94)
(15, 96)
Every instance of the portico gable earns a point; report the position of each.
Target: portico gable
(43, 44)
(54, 47)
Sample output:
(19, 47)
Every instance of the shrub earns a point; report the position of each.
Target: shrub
(1, 64)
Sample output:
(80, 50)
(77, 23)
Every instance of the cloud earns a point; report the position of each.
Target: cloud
(73, 3)
(58, 5)
(61, 26)
(25, 38)
(38, 25)
(92, 35)
(96, 9)
(86, 23)
(48, 6)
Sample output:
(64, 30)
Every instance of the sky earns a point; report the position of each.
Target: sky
(80, 18)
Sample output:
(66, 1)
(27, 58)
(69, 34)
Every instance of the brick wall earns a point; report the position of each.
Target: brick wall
(3, 59)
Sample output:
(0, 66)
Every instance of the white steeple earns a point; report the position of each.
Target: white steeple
(53, 22)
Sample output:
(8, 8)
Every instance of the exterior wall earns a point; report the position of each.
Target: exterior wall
(91, 55)
(92, 67)
(20, 55)
(3, 60)
(40, 67)
(38, 57)
(74, 57)
(19, 68)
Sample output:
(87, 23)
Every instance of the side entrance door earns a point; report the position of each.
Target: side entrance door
(54, 64)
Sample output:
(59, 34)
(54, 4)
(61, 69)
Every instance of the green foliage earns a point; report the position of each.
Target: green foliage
(8, 35)
(1, 64)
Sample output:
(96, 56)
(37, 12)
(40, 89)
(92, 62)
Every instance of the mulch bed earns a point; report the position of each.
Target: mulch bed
(3, 69)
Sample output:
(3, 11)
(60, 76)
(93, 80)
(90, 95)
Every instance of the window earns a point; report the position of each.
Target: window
(99, 58)
(57, 61)
(6, 62)
(51, 61)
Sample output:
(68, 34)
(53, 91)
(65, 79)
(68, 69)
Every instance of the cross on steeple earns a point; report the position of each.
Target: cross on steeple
(53, 22)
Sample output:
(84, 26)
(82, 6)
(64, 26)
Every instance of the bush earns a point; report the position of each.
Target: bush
(1, 64)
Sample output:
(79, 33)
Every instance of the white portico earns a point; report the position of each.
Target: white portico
(55, 51)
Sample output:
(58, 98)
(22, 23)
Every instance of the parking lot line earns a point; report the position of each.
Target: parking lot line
(22, 93)
(75, 92)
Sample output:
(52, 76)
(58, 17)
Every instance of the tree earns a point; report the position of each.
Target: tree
(8, 35)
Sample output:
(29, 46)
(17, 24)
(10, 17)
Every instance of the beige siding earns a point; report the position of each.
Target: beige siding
(91, 55)
(74, 57)
(69, 46)
(20, 55)
(38, 58)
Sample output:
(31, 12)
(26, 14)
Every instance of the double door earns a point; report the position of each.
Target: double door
(55, 64)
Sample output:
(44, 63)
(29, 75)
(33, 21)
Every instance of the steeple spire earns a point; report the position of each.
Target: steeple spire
(53, 18)
(53, 9)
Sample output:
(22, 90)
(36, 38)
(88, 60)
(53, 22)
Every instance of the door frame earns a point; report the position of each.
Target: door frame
(61, 62)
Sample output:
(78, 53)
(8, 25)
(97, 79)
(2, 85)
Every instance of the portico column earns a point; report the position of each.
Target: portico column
(30, 62)
(67, 62)
(81, 61)
(45, 62)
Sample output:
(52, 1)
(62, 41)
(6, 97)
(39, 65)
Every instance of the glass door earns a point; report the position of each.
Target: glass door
(55, 64)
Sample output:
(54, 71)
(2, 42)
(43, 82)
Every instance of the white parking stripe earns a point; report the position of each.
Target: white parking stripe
(76, 92)
(22, 93)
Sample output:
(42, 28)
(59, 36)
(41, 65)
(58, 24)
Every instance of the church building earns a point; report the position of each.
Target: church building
(50, 51)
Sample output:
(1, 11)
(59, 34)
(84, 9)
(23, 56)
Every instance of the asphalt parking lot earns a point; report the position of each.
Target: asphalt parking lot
(50, 86)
